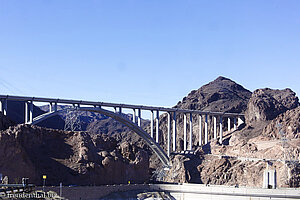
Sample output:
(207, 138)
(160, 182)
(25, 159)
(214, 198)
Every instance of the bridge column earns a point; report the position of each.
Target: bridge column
(184, 132)
(200, 130)
(30, 112)
(55, 107)
(234, 123)
(151, 122)
(3, 106)
(191, 131)
(50, 107)
(174, 131)
(133, 117)
(26, 113)
(221, 129)
(139, 117)
(205, 130)
(157, 126)
(229, 128)
(120, 110)
(169, 133)
(215, 127)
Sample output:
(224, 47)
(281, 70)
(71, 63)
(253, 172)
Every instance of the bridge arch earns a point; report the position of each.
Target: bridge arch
(134, 127)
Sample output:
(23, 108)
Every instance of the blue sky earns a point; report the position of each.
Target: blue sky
(150, 52)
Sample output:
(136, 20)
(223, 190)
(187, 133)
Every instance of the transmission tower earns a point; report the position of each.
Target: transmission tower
(72, 120)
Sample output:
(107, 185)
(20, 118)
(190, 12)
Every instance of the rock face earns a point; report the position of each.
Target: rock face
(266, 104)
(290, 122)
(210, 169)
(69, 157)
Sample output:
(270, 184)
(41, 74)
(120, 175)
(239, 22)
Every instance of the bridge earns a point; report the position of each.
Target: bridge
(151, 139)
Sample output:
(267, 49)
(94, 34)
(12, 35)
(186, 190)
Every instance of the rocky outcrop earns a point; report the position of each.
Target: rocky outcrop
(266, 104)
(290, 124)
(69, 157)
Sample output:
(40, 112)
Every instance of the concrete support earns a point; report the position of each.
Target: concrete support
(184, 132)
(234, 123)
(200, 130)
(3, 106)
(206, 130)
(26, 113)
(215, 127)
(120, 110)
(157, 127)
(174, 131)
(115, 109)
(229, 128)
(30, 112)
(55, 107)
(221, 130)
(151, 122)
(191, 132)
(50, 107)
(169, 134)
(139, 117)
(133, 116)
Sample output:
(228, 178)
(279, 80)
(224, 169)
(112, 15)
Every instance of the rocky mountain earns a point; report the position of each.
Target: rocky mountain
(220, 95)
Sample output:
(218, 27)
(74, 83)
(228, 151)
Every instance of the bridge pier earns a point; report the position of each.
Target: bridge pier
(139, 117)
(50, 106)
(200, 130)
(205, 130)
(133, 117)
(229, 128)
(151, 124)
(3, 106)
(157, 126)
(191, 131)
(169, 134)
(184, 132)
(234, 123)
(221, 130)
(28, 112)
(174, 131)
(215, 127)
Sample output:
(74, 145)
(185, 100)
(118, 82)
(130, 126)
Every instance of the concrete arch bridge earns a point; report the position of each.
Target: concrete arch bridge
(152, 138)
